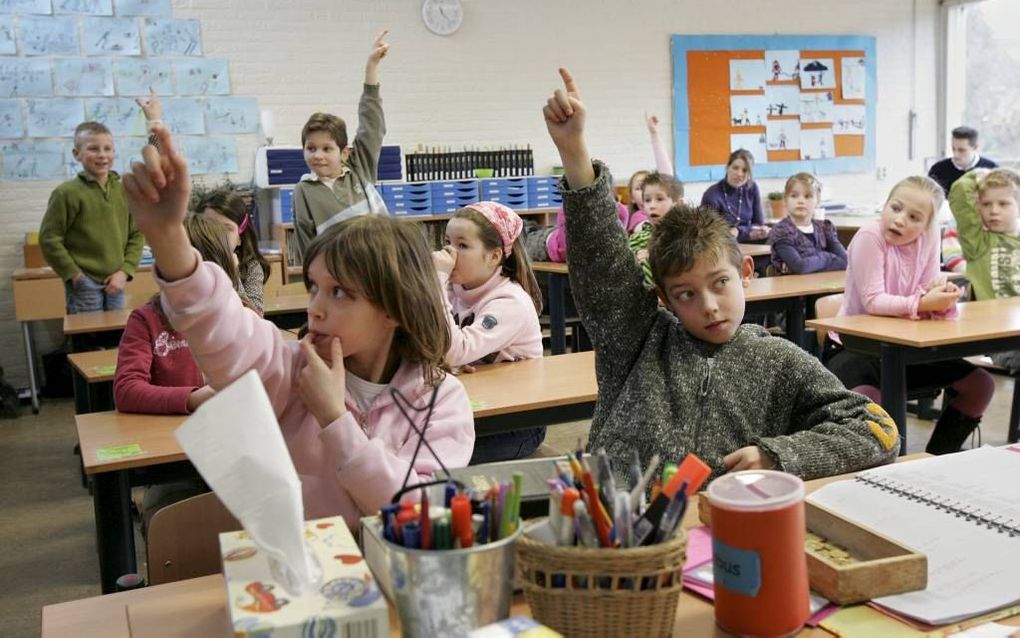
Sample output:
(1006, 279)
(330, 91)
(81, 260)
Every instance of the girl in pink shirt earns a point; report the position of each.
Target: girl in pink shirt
(893, 270)
(493, 303)
(370, 372)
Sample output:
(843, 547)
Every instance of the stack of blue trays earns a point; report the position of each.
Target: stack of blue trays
(453, 195)
(407, 199)
(510, 191)
(543, 192)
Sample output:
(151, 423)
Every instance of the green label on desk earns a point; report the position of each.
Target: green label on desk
(478, 405)
(105, 370)
(115, 452)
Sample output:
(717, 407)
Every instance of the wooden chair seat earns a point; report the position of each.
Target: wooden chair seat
(183, 539)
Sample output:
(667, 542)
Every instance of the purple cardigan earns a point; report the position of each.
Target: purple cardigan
(794, 252)
(740, 207)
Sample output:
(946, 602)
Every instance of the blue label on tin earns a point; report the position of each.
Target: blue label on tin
(738, 570)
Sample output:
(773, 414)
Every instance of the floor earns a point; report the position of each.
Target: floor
(48, 533)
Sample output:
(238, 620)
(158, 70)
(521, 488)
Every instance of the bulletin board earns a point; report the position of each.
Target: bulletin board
(798, 103)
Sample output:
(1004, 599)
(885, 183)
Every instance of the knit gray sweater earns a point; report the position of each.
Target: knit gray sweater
(663, 391)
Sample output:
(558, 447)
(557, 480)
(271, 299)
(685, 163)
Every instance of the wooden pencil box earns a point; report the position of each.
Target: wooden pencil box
(878, 566)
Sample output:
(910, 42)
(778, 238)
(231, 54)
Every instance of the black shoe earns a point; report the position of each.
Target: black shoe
(951, 432)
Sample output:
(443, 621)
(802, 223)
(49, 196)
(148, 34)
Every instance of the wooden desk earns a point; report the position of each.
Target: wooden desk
(545, 391)
(983, 327)
(196, 607)
(755, 250)
(791, 294)
(558, 279)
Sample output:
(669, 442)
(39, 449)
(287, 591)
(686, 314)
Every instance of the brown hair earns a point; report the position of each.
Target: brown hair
(744, 154)
(630, 187)
(90, 128)
(329, 123)
(229, 204)
(673, 187)
(684, 235)
(516, 265)
(1000, 178)
(387, 261)
(925, 184)
(804, 179)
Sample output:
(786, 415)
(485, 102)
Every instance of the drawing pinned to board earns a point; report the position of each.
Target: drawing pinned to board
(817, 73)
(210, 154)
(120, 114)
(7, 43)
(48, 36)
(782, 100)
(25, 78)
(172, 37)
(853, 72)
(184, 115)
(782, 135)
(747, 75)
(39, 7)
(111, 36)
(82, 78)
(848, 119)
(129, 149)
(53, 117)
(151, 8)
(816, 107)
(747, 110)
(816, 143)
(754, 142)
(202, 77)
(84, 7)
(12, 125)
(783, 65)
(135, 76)
(232, 115)
(33, 160)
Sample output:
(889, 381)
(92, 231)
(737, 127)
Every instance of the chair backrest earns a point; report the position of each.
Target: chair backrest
(183, 539)
(826, 307)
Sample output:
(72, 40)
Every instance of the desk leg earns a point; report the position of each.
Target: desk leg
(795, 322)
(115, 535)
(26, 332)
(82, 394)
(557, 313)
(894, 389)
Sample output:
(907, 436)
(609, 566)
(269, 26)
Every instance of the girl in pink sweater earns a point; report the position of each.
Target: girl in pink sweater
(492, 302)
(371, 370)
(893, 270)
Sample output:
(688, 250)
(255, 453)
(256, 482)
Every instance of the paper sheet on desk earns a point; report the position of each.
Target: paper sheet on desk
(235, 442)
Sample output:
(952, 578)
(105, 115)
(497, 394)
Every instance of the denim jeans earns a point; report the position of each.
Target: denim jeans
(88, 294)
(507, 446)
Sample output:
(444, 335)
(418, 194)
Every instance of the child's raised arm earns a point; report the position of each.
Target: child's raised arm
(379, 50)
(564, 118)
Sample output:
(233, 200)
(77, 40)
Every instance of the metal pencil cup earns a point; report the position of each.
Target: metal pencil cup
(443, 592)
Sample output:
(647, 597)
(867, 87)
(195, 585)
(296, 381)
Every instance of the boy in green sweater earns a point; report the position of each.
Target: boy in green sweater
(730, 393)
(87, 235)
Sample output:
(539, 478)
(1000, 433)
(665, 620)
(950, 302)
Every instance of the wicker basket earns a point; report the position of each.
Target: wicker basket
(603, 592)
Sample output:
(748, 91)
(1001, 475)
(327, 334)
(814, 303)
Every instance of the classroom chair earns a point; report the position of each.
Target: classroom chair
(183, 539)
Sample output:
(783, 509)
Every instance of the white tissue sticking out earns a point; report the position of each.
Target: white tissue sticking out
(234, 441)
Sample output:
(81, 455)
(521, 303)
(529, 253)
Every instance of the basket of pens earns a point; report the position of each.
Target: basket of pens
(603, 564)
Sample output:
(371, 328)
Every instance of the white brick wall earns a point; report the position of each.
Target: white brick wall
(486, 84)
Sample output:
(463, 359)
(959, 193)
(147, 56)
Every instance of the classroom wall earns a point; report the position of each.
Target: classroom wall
(486, 84)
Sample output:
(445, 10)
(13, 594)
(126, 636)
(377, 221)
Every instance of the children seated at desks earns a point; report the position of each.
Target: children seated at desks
(87, 235)
(341, 184)
(156, 373)
(660, 193)
(730, 393)
(492, 305)
(737, 199)
(986, 208)
(893, 270)
(353, 395)
(800, 243)
(228, 209)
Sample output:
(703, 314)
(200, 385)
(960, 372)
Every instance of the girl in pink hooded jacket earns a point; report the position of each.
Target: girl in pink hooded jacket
(493, 303)
(371, 364)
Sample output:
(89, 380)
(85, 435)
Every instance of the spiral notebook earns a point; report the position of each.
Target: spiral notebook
(961, 510)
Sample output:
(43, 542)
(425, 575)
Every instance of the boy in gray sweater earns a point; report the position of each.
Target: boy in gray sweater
(730, 393)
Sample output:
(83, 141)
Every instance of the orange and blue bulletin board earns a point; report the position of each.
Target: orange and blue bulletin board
(798, 103)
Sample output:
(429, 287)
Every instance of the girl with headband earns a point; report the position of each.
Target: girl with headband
(493, 303)
(227, 208)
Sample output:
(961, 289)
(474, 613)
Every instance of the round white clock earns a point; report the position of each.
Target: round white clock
(442, 17)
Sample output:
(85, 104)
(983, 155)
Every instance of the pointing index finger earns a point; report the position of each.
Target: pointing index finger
(568, 82)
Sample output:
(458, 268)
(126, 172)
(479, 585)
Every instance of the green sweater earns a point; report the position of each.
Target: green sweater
(661, 391)
(993, 259)
(88, 229)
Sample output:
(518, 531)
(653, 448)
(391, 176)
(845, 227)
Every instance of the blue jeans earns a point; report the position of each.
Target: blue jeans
(507, 446)
(88, 295)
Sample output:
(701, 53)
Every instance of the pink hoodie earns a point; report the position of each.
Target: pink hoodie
(556, 242)
(353, 466)
(505, 324)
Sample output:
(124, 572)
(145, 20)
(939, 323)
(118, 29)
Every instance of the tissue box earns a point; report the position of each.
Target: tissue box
(347, 603)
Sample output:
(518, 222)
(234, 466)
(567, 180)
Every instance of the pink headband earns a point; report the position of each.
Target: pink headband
(506, 222)
(244, 224)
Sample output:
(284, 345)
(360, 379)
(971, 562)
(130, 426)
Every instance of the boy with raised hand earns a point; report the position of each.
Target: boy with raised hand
(730, 393)
(87, 235)
(341, 184)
